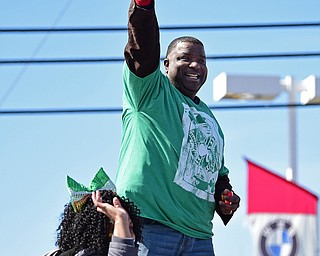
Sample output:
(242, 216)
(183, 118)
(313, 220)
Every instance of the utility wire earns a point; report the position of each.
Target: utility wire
(44, 39)
(121, 59)
(169, 27)
(119, 109)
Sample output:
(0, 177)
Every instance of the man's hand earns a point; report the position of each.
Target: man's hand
(116, 213)
(229, 202)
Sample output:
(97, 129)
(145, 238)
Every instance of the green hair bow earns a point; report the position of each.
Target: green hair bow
(80, 193)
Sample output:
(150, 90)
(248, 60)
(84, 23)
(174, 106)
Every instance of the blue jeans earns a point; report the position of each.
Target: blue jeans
(160, 240)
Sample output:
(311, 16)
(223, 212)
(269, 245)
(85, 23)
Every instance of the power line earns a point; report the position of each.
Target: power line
(121, 59)
(119, 109)
(60, 61)
(60, 111)
(39, 46)
(169, 27)
(265, 55)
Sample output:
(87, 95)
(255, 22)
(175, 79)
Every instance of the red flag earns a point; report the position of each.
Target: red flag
(269, 192)
(282, 215)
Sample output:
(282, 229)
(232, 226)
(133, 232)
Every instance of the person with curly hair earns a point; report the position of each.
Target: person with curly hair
(97, 222)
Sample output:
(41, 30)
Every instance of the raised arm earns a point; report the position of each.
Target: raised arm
(142, 52)
(116, 213)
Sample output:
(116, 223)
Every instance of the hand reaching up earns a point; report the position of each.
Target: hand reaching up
(116, 213)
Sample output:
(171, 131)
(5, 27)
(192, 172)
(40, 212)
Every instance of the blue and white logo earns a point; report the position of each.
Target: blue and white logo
(278, 238)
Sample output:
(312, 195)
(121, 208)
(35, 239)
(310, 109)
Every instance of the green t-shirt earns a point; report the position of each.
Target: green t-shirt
(171, 154)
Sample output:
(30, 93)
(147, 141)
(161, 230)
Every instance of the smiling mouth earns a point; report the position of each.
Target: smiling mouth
(193, 76)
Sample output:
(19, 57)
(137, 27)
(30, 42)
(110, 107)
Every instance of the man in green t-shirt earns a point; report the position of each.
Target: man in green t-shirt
(172, 152)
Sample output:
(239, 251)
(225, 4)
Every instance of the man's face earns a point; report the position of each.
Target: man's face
(186, 68)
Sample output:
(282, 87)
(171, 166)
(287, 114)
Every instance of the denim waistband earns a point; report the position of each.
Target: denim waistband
(147, 221)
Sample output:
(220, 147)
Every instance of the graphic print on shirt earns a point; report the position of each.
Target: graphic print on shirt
(201, 154)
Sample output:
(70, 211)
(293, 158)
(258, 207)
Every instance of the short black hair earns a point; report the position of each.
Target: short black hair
(189, 39)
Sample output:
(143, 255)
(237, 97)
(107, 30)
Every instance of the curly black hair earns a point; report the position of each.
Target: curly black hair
(90, 229)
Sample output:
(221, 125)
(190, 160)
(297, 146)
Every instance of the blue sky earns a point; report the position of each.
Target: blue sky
(38, 151)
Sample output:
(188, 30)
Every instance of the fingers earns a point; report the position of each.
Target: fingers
(104, 208)
(225, 208)
(96, 198)
(229, 202)
(112, 211)
(116, 202)
(99, 198)
(119, 209)
(116, 213)
(226, 194)
(229, 197)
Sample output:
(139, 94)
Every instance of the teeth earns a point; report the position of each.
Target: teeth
(193, 75)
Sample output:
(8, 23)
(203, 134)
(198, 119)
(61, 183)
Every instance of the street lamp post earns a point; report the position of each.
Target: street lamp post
(257, 87)
(291, 88)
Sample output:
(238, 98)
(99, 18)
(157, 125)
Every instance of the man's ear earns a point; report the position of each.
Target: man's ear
(166, 64)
